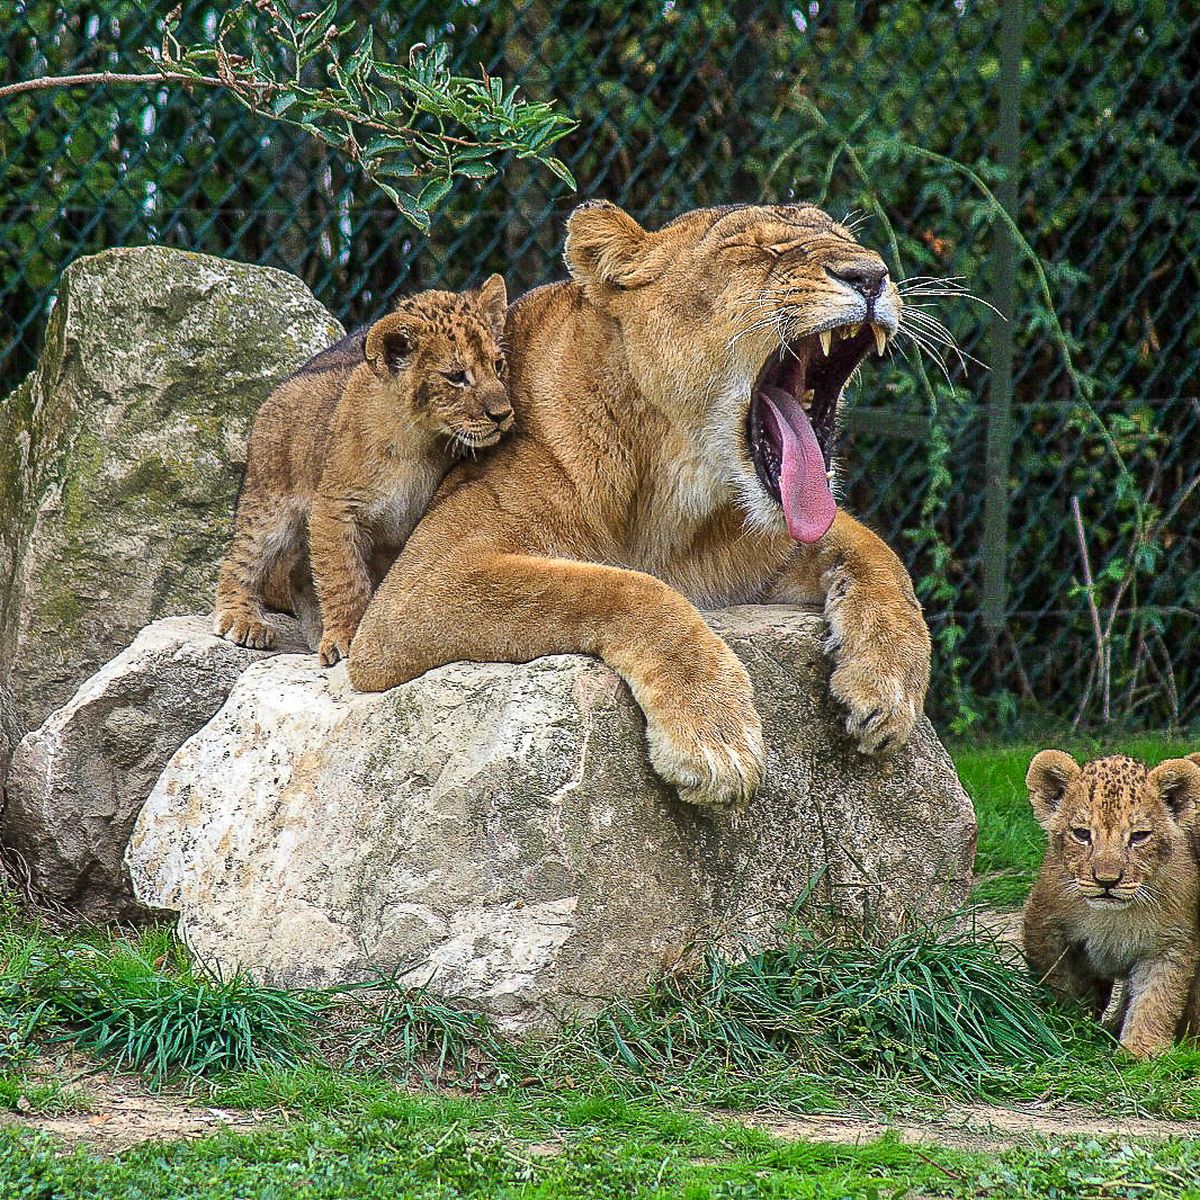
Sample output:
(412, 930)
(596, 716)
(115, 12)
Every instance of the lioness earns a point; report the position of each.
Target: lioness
(678, 399)
(1114, 917)
(345, 454)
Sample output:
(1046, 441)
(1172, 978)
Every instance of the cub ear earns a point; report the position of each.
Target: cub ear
(390, 343)
(1178, 783)
(493, 304)
(1049, 775)
(607, 248)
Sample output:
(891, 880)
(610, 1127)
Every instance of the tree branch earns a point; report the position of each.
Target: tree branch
(46, 82)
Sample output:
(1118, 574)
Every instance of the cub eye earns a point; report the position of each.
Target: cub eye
(1081, 835)
(1138, 836)
(458, 378)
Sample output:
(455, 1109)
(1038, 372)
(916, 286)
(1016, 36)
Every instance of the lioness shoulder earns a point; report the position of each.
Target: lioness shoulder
(345, 454)
(1113, 920)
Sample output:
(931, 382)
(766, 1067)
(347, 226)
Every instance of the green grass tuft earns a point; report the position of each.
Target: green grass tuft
(150, 1015)
(938, 1006)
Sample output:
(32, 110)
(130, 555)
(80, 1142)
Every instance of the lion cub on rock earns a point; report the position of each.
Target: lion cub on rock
(1113, 919)
(352, 457)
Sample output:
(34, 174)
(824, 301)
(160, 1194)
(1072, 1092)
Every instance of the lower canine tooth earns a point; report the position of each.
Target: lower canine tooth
(826, 339)
(808, 397)
(880, 339)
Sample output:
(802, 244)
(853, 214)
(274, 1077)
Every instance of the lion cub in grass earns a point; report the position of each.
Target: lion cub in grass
(344, 458)
(1113, 919)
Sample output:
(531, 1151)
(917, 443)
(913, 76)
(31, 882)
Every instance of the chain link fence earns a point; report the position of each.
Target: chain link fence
(1047, 155)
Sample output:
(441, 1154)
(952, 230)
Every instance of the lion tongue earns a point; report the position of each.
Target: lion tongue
(808, 503)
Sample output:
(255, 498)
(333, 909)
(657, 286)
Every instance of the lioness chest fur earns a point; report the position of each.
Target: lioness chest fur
(345, 455)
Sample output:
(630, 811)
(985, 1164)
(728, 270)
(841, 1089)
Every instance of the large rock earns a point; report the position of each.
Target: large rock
(78, 782)
(10, 733)
(120, 456)
(498, 827)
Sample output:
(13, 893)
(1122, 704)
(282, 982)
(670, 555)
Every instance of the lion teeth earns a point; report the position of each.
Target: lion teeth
(855, 328)
(826, 339)
(880, 339)
(809, 395)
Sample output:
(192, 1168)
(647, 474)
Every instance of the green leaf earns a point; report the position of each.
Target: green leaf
(434, 192)
(559, 168)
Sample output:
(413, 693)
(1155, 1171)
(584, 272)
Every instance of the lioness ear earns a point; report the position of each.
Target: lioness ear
(1048, 777)
(606, 247)
(390, 344)
(493, 304)
(1178, 783)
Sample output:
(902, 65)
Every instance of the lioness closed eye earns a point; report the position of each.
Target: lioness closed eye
(353, 466)
(1113, 920)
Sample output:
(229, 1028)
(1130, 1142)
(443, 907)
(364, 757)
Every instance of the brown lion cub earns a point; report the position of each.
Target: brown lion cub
(352, 457)
(1113, 919)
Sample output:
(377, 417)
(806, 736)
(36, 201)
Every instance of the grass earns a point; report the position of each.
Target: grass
(618, 1105)
(1010, 841)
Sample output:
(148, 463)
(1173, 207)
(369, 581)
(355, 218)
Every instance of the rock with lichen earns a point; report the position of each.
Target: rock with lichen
(121, 455)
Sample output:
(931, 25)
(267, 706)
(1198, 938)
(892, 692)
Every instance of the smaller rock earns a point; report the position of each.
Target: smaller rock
(77, 783)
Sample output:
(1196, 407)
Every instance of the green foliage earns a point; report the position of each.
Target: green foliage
(394, 121)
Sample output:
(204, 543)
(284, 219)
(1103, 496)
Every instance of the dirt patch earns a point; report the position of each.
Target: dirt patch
(968, 1127)
(123, 1113)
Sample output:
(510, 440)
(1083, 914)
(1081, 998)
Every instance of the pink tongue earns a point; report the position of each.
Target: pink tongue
(808, 504)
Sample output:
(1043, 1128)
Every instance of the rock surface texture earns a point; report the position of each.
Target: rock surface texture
(77, 783)
(121, 455)
(497, 829)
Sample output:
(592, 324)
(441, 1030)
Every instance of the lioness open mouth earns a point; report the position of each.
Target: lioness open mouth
(791, 426)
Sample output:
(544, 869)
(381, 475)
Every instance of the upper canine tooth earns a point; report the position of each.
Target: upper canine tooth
(880, 339)
(826, 341)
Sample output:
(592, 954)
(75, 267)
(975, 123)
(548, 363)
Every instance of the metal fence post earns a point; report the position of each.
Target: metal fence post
(1003, 275)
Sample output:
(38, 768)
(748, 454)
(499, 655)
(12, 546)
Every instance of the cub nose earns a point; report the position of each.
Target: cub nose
(1106, 875)
(866, 278)
(499, 409)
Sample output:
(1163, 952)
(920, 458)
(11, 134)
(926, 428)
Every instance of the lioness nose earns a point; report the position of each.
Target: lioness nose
(864, 277)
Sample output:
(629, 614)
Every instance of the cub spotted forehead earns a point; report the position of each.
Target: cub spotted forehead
(1113, 789)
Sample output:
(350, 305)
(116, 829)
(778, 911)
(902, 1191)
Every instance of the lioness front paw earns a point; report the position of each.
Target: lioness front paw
(881, 652)
(244, 630)
(710, 746)
(335, 645)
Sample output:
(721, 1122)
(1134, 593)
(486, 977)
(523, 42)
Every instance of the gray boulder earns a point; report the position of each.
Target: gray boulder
(496, 829)
(121, 455)
(78, 782)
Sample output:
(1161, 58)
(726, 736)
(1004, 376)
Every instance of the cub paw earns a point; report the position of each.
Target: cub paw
(881, 651)
(710, 747)
(335, 645)
(244, 630)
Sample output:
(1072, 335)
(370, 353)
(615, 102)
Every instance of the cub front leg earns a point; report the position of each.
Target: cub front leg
(338, 552)
(450, 602)
(1158, 994)
(877, 635)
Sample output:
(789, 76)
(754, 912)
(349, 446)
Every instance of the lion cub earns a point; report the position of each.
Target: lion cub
(1113, 919)
(343, 461)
